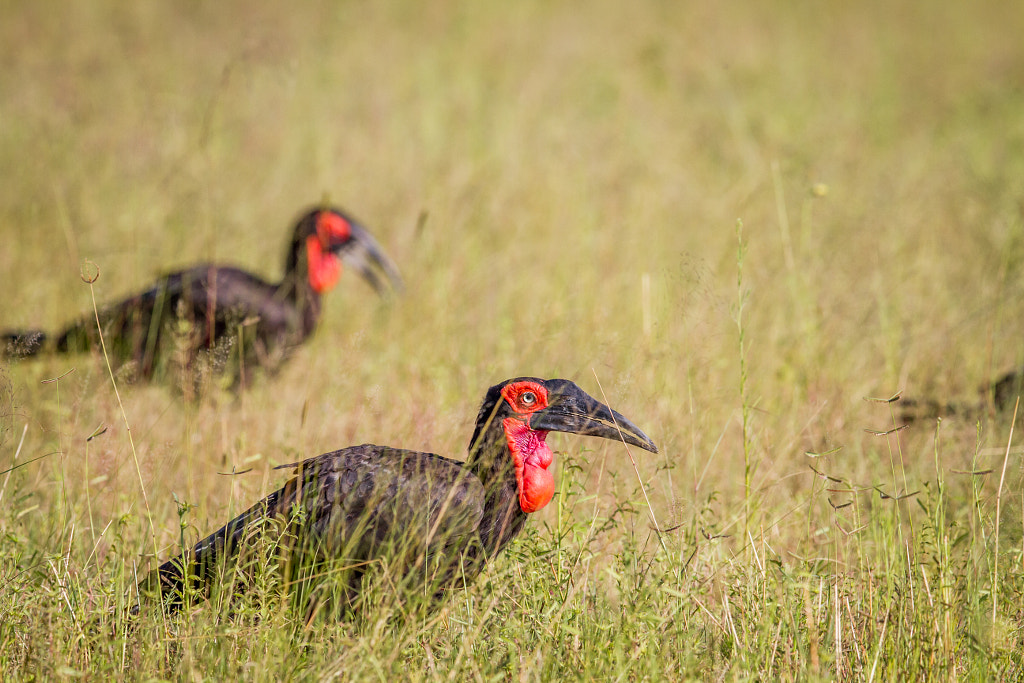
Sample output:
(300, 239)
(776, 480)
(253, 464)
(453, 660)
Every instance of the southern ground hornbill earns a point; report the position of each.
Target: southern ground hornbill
(209, 311)
(430, 520)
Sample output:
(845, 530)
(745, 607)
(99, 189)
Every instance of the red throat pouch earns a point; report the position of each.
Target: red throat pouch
(324, 266)
(531, 458)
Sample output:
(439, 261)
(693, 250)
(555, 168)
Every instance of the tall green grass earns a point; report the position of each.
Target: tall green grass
(560, 185)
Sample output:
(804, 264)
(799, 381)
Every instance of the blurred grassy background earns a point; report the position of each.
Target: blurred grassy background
(529, 167)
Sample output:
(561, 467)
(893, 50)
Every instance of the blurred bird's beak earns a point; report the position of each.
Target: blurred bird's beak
(362, 253)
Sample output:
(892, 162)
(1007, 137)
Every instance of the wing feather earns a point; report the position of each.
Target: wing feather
(418, 511)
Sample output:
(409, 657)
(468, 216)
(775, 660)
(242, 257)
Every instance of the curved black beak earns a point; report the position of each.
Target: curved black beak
(363, 253)
(570, 409)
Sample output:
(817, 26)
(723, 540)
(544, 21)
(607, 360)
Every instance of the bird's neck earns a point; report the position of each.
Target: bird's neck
(491, 461)
(297, 285)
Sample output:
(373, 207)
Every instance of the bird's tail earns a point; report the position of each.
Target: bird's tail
(21, 343)
(75, 338)
(192, 573)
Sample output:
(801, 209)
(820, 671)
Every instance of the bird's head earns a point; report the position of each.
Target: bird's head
(527, 408)
(330, 237)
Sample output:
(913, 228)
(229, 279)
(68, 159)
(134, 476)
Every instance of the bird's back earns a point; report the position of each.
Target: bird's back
(417, 512)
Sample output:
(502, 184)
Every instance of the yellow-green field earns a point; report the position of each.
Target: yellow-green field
(561, 185)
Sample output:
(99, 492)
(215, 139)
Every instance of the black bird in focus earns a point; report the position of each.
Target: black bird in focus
(433, 520)
(209, 310)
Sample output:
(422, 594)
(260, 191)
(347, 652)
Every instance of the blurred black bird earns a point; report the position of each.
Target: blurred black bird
(209, 310)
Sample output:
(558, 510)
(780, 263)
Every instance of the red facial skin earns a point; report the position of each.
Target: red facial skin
(530, 454)
(324, 266)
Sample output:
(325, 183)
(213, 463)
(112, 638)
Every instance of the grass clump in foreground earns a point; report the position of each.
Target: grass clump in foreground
(888, 584)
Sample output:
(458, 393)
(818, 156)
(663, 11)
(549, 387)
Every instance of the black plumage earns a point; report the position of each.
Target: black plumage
(434, 520)
(210, 311)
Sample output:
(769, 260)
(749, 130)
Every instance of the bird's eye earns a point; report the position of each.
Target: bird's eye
(528, 398)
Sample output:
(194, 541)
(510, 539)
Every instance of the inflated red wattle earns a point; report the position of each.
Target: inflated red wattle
(324, 266)
(530, 457)
(536, 487)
